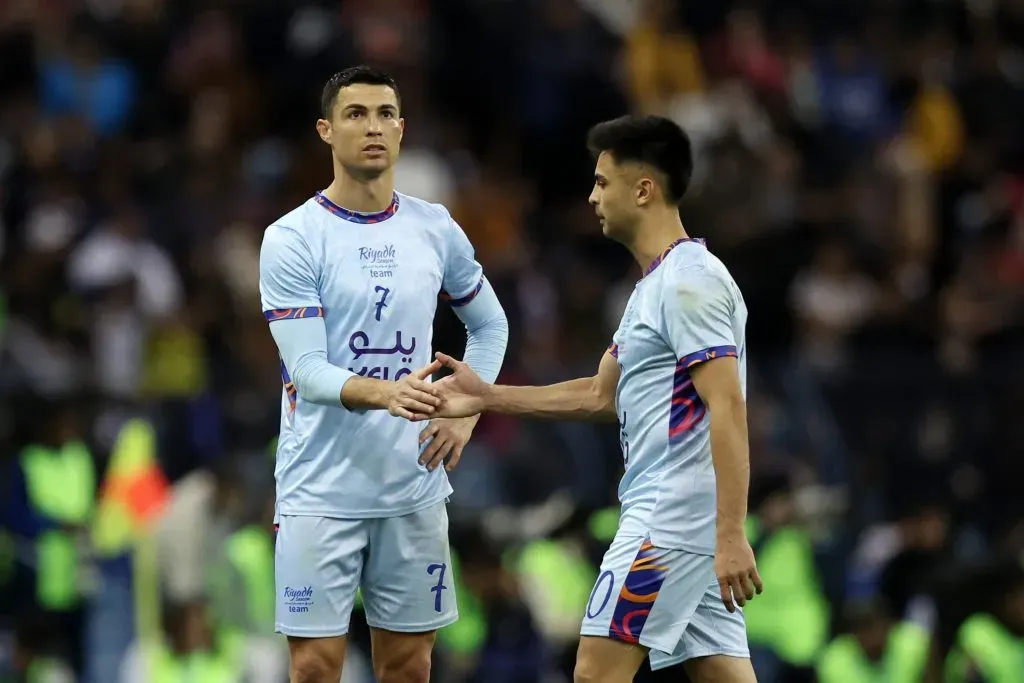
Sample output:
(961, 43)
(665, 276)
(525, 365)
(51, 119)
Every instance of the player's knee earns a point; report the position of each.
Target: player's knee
(401, 657)
(588, 671)
(583, 674)
(315, 665)
(313, 670)
(412, 668)
(602, 660)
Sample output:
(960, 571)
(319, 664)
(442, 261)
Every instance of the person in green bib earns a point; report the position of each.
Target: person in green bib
(512, 648)
(51, 497)
(240, 576)
(786, 561)
(241, 590)
(190, 650)
(989, 646)
(876, 649)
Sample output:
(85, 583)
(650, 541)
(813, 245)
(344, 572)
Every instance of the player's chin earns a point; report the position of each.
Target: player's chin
(609, 231)
(372, 165)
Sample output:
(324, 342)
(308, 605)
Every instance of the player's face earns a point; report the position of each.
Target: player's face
(365, 130)
(619, 192)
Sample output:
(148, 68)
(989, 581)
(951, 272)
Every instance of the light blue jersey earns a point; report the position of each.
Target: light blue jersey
(685, 310)
(375, 280)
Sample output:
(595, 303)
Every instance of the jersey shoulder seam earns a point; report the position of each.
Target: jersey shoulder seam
(298, 234)
(437, 208)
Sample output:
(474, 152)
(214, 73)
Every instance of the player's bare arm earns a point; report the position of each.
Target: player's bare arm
(718, 384)
(585, 399)
(411, 395)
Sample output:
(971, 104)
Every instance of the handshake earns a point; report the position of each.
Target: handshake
(461, 394)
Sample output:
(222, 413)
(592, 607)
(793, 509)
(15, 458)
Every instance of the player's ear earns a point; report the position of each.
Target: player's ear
(401, 129)
(644, 191)
(323, 129)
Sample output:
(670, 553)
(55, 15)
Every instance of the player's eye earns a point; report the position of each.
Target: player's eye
(388, 114)
(355, 114)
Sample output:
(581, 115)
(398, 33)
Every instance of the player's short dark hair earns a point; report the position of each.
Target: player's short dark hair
(652, 140)
(362, 74)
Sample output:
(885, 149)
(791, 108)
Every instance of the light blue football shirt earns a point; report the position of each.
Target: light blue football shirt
(685, 310)
(375, 280)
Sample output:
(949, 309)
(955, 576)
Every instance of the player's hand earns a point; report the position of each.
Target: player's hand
(463, 392)
(736, 571)
(447, 437)
(413, 397)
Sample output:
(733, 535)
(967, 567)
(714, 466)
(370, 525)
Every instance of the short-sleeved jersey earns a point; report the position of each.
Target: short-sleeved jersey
(375, 280)
(686, 310)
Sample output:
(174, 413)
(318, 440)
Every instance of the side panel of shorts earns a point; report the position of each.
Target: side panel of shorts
(408, 585)
(712, 630)
(658, 598)
(317, 565)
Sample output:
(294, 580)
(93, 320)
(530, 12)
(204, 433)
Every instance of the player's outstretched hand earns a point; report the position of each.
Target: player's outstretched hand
(462, 391)
(736, 571)
(413, 397)
(447, 438)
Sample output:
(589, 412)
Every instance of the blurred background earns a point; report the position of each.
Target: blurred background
(860, 169)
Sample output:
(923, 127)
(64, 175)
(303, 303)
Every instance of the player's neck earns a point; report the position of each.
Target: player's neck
(359, 194)
(654, 238)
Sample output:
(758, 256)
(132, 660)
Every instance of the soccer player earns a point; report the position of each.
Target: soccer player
(349, 282)
(680, 565)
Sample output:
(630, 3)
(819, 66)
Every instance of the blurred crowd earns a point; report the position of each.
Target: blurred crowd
(860, 169)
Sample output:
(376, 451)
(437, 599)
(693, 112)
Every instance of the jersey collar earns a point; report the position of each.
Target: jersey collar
(356, 216)
(661, 257)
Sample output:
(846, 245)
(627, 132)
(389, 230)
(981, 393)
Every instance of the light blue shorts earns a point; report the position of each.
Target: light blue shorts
(402, 564)
(665, 600)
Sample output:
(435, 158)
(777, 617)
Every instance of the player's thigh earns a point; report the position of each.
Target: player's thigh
(317, 565)
(408, 585)
(645, 595)
(714, 644)
(600, 659)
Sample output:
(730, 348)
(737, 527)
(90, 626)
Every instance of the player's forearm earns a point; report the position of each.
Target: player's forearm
(365, 393)
(730, 455)
(577, 399)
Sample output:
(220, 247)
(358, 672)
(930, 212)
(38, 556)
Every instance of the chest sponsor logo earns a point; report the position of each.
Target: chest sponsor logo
(380, 261)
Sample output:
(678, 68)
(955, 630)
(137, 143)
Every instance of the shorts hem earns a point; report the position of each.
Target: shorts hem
(607, 633)
(651, 647)
(654, 645)
(593, 633)
(425, 627)
(664, 663)
(610, 635)
(303, 632)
